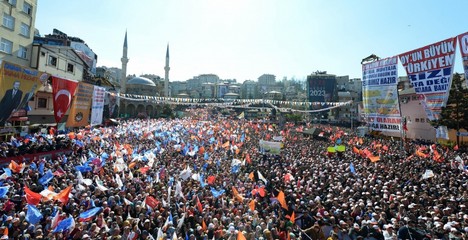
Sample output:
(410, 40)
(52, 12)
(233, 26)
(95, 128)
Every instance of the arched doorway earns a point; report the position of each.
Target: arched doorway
(130, 111)
(140, 109)
(149, 111)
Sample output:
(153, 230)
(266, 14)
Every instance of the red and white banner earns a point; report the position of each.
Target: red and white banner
(463, 39)
(62, 91)
(429, 70)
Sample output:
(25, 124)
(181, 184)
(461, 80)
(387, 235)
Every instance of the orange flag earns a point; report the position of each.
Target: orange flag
(131, 165)
(15, 167)
(293, 217)
(282, 200)
(420, 154)
(64, 195)
(251, 176)
(32, 198)
(204, 225)
(201, 150)
(143, 170)
(247, 158)
(455, 148)
(226, 144)
(199, 205)
(5, 232)
(237, 195)
(356, 150)
(240, 236)
(252, 205)
(373, 158)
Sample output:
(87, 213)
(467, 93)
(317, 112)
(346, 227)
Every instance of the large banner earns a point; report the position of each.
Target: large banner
(321, 87)
(430, 70)
(380, 94)
(17, 87)
(98, 105)
(111, 106)
(463, 39)
(79, 111)
(271, 147)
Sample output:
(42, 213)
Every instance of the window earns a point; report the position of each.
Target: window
(27, 8)
(8, 21)
(416, 119)
(41, 102)
(24, 30)
(70, 68)
(12, 2)
(53, 61)
(22, 52)
(422, 120)
(6, 46)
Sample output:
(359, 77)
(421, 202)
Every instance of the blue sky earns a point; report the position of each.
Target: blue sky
(244, 39)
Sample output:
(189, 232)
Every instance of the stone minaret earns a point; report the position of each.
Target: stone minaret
(124, 59)
(166, 75)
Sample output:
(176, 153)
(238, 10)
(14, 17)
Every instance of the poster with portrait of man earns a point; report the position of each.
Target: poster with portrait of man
(17, 87)
(111, 105)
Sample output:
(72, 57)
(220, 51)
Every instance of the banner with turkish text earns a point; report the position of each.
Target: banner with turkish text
(17, 88)
(380, 95)
(429, 70)
(80, 109)
(98, 105)
(463, 40)
(62, 91)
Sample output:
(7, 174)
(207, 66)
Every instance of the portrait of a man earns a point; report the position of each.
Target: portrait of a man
(10, 102)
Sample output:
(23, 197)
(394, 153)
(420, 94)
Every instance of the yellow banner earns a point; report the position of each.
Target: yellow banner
(17, 86)
(81, 107)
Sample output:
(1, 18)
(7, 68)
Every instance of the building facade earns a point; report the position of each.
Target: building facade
(17, 31)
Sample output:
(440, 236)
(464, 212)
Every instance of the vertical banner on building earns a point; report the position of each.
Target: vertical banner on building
(429, 70)
(79, 111)
(62, 92)
(17, 87)
(380, 94)
(98, 105)
(463, 39)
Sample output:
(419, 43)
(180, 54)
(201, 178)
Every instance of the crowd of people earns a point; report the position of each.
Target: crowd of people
(200, 178)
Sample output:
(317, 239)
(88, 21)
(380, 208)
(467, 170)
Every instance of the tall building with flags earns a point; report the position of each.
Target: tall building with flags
(166, 75)
(124, 59)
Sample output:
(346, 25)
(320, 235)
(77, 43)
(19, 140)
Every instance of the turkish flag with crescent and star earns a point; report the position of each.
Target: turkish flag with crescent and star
(62, 91)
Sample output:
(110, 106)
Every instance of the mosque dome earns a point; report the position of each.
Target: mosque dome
(141, 81)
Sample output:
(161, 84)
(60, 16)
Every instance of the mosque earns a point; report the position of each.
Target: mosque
(142, 86)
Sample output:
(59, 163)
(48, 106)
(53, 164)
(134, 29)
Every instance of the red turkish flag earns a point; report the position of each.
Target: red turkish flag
(63, 90)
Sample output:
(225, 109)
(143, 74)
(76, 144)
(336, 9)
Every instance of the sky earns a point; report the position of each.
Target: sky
(243, 39)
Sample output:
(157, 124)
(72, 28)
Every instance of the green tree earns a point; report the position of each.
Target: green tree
(455, 114)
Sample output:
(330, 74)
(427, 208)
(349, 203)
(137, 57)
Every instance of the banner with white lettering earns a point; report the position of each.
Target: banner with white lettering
(98, 105)
(463, 39)
(429, 70)
(380, 95)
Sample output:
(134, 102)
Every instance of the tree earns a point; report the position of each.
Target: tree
(455, 114)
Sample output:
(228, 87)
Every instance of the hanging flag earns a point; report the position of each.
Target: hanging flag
(62, 92)
(282, 200)
(32, 198)
(89, 214)
(55, 219)
(63, 196)
(237, 195)
(81, 105)
(33, 215)
(44, 180)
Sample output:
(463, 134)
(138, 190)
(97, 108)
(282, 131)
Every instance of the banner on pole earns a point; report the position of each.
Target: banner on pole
(429, 70)
(463, 40)
(380, 95)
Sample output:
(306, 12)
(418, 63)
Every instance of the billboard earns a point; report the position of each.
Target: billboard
(111, 106)
(380, 95)
(98, 105)
(17, 87)
(429, 70)
(86, 54)
(321, 87)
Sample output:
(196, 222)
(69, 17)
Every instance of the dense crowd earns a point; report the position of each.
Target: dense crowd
(207, 179)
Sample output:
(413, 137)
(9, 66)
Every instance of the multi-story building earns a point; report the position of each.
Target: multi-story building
(267, 79)
(249, 90)
(348, 90)
(178, 87)
(17, 31)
